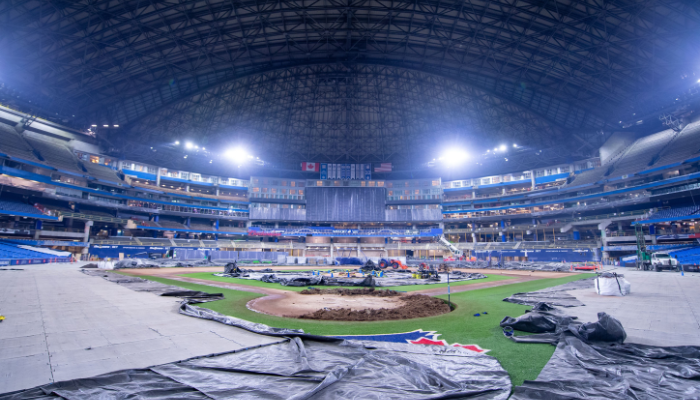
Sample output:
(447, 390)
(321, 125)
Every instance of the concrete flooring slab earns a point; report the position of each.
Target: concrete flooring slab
(661, 310)
(62, 324)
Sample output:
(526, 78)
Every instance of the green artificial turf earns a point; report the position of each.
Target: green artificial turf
(406, 288)
(523, 361)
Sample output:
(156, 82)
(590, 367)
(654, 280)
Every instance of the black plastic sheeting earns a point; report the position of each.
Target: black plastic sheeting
(161, 263)
(144, 285)
(591, 361)
(302, 369)
(549, 325)
(556, 295)
(542, 318)
(262, 329)
(390, 278)
(582, 370)
(345, 204)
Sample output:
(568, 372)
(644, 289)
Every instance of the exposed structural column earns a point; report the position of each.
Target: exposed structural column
(158, 177)
(532, 179)
(504, 238)
(37, 229)
(86, 237)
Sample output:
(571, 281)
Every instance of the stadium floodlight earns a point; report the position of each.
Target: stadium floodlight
(495, 149)
(196, 147)
(188, 145)
(204, 148)
(454, 157)
(237, 154)
(503, 147)
(94, 125)
(515, 145)
(177, 143)
(116, 126)
(185, 156)
(106, 126)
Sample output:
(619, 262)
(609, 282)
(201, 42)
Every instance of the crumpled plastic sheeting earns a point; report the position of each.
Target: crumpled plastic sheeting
(205, 313)
(580, 370)
(550, 325)
(162, 263)
(144, 285)
(555, 295)
(390, 279)
(542, 318)
(303, 369)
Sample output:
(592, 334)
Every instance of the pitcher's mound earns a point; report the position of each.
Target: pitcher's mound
(364, 304)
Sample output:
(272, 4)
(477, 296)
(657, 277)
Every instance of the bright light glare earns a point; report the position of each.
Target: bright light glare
(503, 147)
(177, 142)
(237, 154)
(188, 145)
(454, 157)
(515, 145)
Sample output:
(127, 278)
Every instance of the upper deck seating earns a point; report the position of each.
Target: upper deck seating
(685, 145)
(14, 206)
(641, 153)
(13, 144)
(56, 154)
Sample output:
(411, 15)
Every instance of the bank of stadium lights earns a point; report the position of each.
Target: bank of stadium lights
(454, 157)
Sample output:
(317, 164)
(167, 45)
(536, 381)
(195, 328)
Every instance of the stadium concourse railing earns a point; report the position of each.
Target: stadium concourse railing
(90, 217)
(343, 232)
(560, 222)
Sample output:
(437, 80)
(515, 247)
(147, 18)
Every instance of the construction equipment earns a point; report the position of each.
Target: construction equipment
(643, 255)
(451, 247)
(445, 268)
(393, 263)
(426, 271)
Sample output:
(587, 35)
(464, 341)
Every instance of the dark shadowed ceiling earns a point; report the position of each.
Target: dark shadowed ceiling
(349, 80)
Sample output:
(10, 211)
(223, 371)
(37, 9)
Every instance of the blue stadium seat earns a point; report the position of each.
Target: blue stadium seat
(14, 206)
(10, 251)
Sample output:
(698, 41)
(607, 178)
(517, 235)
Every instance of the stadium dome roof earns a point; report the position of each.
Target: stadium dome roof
(359, 80)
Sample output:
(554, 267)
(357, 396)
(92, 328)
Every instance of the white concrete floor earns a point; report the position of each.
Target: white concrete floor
(663, 308)
(61, 324)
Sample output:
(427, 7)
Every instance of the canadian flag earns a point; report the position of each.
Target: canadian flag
(310, 167)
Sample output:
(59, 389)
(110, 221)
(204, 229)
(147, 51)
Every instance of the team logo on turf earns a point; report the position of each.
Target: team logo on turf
(418, 336)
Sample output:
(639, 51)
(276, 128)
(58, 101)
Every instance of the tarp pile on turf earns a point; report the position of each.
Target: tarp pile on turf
(303, 368)
(144, 285)
(556, 295)
(591, 361)
(161, 263)
(389, 278)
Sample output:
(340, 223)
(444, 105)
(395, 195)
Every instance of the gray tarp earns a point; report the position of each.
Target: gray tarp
(581, 370)
(144, 285)
(390, 278)
(556, 295)
(302, 369)
(591, 362)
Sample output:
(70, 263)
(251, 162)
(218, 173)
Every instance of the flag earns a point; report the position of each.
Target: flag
(310, 167)
(383, 167)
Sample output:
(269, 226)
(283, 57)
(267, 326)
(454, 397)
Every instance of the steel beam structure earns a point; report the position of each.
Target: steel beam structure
(347, 79)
